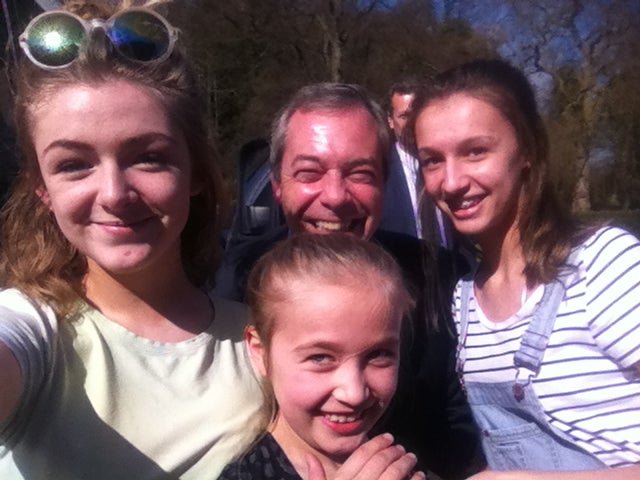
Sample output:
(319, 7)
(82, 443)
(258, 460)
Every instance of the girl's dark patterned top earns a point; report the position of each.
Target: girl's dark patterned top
(265, 460)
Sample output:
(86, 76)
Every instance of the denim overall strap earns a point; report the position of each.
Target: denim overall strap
(533, 343)
(515, 431)
(535, 339)
(465, 295)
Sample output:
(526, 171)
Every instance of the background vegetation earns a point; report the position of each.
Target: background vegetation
(580, 54)
(257, 52)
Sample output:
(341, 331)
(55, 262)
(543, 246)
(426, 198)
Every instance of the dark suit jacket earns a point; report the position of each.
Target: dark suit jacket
(397, 211)
(429, 414)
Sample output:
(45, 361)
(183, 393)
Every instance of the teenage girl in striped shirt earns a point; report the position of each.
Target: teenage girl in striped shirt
(549, 335)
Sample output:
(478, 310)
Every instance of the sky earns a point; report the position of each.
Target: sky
(48, 4)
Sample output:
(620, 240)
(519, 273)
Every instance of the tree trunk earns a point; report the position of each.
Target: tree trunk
(581, 195)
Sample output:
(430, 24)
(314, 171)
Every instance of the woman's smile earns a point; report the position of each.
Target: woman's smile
(116, 175)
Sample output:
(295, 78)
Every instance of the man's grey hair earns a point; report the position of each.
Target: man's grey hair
(331, 97)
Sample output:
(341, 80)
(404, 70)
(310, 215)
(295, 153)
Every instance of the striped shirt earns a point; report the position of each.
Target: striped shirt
(586, 383)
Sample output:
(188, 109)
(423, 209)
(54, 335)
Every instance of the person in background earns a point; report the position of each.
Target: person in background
(329, 364)
(328, 165)
(549, 348)
(115, 361)
(403, 209)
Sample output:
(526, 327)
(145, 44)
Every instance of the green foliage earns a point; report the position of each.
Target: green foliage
(253, 54)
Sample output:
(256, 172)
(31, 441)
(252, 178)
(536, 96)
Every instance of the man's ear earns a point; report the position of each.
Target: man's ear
(43, 195)
(257, 351)
(276, 188)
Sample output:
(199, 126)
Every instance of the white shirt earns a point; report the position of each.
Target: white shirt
(585, 384)
(410, 168)
(100, 402)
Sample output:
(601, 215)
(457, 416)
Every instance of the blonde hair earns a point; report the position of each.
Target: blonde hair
(35, 257)
(334, 259)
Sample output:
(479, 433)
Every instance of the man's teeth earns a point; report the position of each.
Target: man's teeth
(333, 226)
(342, 418)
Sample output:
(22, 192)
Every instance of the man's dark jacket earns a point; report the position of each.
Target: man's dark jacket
(397, 209)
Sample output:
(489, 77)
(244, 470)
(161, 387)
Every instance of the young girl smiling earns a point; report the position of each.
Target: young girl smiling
(326, 326)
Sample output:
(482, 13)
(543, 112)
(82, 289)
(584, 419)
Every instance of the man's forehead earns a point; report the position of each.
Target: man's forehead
(329, 113)
(401, 100)
(324, 128)
(333, 137)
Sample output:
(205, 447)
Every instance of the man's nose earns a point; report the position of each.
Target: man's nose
(334, 190)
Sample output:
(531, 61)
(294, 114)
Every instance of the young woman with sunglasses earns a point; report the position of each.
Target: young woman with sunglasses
(549, 348)
(115, 362)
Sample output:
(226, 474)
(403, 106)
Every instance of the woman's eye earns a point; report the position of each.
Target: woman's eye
(382, 357)
(477, 151)
(151, 158)
(319, 358)
(429, 162)
(72, 166)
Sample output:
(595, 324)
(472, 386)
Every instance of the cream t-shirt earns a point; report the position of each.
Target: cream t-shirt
(100, 402)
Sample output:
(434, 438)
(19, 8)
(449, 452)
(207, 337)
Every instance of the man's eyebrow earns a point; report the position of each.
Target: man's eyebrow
(305, 158)
(350, 163)
(357, 162)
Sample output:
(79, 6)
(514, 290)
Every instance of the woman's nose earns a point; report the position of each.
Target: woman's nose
(454, 178)
(115, 190)
(350, 385)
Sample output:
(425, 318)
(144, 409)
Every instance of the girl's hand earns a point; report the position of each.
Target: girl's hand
(378, 459)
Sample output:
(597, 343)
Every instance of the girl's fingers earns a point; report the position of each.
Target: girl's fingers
(314, 468)
(378, 459)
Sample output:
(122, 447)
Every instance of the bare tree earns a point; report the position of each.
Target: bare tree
(581, 46)
(254, 54)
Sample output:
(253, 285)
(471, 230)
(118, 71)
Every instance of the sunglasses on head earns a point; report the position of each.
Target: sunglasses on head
(55, 39)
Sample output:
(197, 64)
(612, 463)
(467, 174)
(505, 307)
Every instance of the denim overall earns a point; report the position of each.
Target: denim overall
(515, 431)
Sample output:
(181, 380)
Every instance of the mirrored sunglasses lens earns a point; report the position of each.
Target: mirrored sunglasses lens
(140, 36)
(55, 40)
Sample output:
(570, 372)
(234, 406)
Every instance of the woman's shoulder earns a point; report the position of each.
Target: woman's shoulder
(607, 268)
(264, 460)
(17, 307)
(29, 329)
(607, 233)
(14, 299)
(606, 245)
